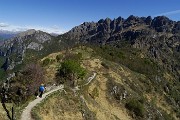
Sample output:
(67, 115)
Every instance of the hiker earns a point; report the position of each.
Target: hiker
(41, 90)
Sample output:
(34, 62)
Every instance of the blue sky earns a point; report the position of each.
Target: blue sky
(61, 15)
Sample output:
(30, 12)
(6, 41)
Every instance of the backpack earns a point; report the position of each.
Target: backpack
(41, 88)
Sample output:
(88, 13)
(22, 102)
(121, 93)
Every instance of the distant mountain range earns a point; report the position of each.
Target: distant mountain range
(107, 30)
(4, 34)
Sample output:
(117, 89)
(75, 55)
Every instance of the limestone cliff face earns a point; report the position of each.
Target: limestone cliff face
(159, 37)
(14, 49)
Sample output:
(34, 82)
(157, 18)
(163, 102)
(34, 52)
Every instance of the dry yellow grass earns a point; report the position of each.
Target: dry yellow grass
(168, 76)
(100, 105)
(104, 110)
(60, 108)
(3, 115)
(160, 102)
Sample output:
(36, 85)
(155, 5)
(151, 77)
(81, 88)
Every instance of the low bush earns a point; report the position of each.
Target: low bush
(59, 57)
(105, 65)
(95, 93)
(136, 106)
(75, 57)
(46, 62)
(71, 70)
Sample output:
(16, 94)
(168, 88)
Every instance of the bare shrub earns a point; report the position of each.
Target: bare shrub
(33, 76)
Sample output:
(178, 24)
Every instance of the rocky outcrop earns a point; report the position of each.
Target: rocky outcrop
(34, 46)
(104, 29)
(159, 37)
(6, 64)
(162, 24)
(40, 36)
(176, 28)
(15, 48)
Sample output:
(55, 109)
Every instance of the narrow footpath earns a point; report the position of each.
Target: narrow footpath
(26, 114)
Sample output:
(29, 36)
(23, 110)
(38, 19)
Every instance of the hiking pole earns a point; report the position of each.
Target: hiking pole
(12, 113)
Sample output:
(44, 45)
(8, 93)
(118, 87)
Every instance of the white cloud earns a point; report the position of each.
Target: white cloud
(53, 29)
(4, 25)
(15, 28)
(169, 13)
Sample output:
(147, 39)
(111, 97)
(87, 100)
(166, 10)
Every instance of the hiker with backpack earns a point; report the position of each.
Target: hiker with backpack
(41, 90)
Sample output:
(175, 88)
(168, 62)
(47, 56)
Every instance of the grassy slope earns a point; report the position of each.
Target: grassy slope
(2, 113)
(33, 56)
(100, 102)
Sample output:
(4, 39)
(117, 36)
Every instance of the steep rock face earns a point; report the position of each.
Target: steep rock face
(176, 28)
(14, 49)
(34, 46)
(40, 36)
(106, 28)
(96, 32)
(162, 24)
(6, 64)
(158, 38)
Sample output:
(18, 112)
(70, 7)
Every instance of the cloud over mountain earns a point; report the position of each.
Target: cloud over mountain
(15, 28)
(4, 24)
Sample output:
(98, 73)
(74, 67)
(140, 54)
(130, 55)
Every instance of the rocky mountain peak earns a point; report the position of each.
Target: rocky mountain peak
(18, 45)
(148, 20)
(153, 35)
(107, 21)
(106, 28)
(163, 24)
(28, 32)
(132, 18)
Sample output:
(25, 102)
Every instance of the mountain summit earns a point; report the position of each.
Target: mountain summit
(106, 30)
(158, 38)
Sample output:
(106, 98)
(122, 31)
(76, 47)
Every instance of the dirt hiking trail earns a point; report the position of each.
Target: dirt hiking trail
(26, 114)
